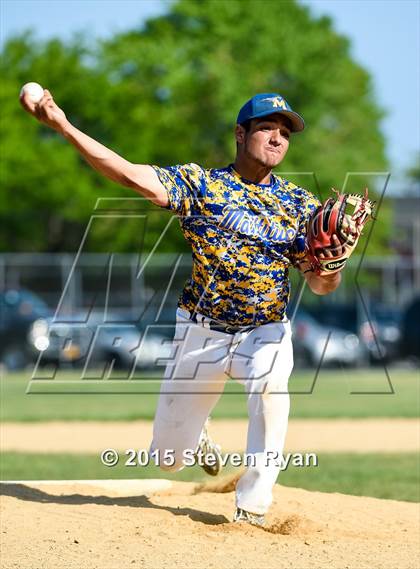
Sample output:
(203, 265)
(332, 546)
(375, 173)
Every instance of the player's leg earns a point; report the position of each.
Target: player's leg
(193, 383)
(263, 362)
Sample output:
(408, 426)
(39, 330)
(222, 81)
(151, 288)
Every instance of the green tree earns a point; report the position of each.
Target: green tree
(168, 93)
(47, 191)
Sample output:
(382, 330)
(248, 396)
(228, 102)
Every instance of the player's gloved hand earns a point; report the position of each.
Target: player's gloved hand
(333, 234)
(46, 111)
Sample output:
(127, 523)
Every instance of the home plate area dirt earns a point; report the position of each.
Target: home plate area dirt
(158, 524)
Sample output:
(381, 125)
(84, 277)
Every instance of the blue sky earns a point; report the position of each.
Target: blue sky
(385, 37)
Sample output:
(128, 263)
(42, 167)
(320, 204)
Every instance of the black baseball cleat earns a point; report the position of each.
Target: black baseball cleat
(249, 518)
(208, 454)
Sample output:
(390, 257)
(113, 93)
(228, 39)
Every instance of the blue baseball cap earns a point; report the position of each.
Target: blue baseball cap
(265, 104)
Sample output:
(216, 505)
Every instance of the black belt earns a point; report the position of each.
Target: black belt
(219, 326)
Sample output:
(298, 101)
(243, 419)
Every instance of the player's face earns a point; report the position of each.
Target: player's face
(267, 141)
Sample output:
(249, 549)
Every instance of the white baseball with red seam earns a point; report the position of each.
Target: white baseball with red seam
(34, 90)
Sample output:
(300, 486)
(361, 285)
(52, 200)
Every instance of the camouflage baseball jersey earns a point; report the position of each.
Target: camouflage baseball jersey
(244, 236)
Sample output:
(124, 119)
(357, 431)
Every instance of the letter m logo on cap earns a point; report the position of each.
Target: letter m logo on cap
(277, 102)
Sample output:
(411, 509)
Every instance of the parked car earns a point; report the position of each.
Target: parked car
(382, 333)
(23, 319)
(337, 315)
(379, 332)
(410, 331)
(313, 343)
(94, 342)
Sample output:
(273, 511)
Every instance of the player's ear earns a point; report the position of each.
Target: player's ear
(240, 134)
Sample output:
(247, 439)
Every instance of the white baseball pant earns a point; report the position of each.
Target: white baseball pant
(262, 360)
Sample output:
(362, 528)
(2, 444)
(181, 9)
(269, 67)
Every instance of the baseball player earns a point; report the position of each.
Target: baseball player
(247, 228)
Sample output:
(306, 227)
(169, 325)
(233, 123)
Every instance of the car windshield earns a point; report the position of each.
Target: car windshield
(302, 316)
(385, 315)
(19, 298)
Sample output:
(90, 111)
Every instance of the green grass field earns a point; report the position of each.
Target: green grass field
(332, 396)
(378, 475)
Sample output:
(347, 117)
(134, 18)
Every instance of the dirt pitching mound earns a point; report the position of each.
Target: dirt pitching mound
(293, 525)
(158, 524)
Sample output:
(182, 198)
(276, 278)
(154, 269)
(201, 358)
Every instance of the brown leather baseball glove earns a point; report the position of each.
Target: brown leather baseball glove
(334, 230)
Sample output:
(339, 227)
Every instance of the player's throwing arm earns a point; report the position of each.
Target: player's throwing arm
(140, 177)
